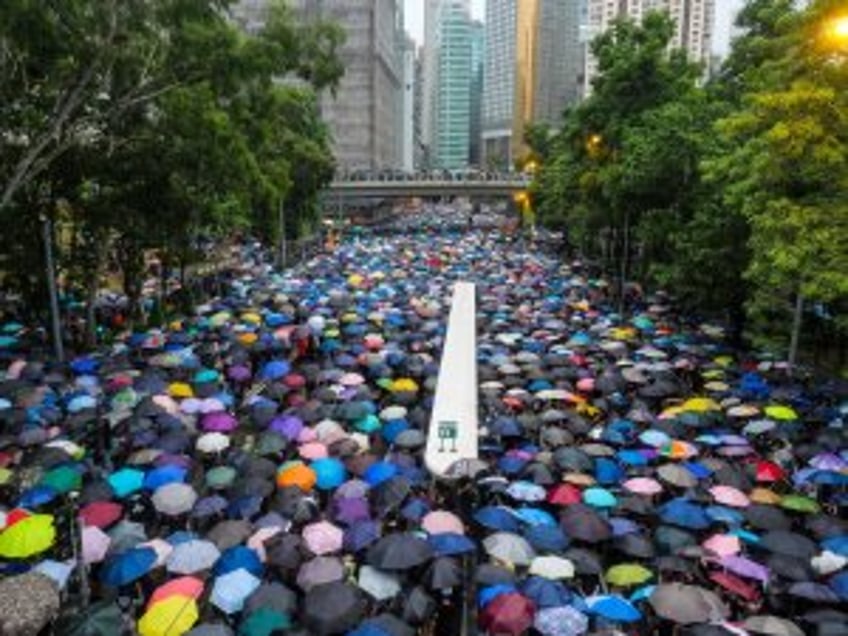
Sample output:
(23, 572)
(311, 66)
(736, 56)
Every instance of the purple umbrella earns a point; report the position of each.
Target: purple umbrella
(353, 489)
(239, 373)
(745, 567)
(350, 510)
(289, 426)
(220, 422)
(828, 461)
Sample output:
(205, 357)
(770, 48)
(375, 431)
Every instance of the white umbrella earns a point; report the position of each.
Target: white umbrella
(212, 443)
(193, 556)
(381, 585)
(174, 499)
(552, 567)
(509, 547)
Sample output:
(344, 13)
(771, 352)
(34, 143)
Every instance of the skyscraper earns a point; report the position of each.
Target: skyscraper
(693, 19)
(365, 115)
(452, 75)
(408, 139)
(533, 71)
(478, 52)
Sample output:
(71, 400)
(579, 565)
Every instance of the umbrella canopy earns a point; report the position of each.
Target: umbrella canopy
(332, 608)
(687, 604)
(230, 590)
(509, 548)
(173, 615)
(399, 551)
(28, 602)
(509, 613)
(29, 536)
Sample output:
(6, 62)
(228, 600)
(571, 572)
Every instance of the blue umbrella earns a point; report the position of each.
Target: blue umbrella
(632, 457)
(488, 594)
(84, 366)
(535, 516)
(614, 608)
(415, 509)
(684, 513)
(275, 370)
(839, 584)
(128, 566)
(450, 544)
(245, 507)
(360, 535)
(546, 538)
(379, 472)
(607, 472)
(81, 403)
(330, 473)
(167, 474)
(126, 481)
(497, 518)
(394, 428)
(526, 491)
(545, 592)
(837, 544)
(511, 465)
(724, 514)
(232, 589)
(37, 496)
(642, 594)
(238, 557)
(699, 470)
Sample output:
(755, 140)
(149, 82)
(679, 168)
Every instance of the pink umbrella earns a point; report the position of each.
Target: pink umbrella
(351, 379)
(95, 544)
(441, 522)
(643, 486)
(587, 385)
(323, 537)
(257, 540)
(730, 496)
(723, 544)
(187, 586)
(306, 435)
(312, 450)
(14, 370)
(167, 403)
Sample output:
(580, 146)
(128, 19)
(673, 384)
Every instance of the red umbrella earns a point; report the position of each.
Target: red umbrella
(565, 495)
(101, 514)
(735, 585)
(769, 471)
(294, 381)
(509, 614)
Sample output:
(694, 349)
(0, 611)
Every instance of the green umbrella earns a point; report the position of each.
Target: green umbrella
(800, 503)
(100, 619)
(220, 477)
(63, 479)
(627, 574)
(263, 622)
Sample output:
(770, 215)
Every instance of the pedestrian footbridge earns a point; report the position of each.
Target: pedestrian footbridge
(453, 425)
(493, 185)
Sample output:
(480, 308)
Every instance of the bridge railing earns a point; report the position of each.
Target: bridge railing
(430, 177)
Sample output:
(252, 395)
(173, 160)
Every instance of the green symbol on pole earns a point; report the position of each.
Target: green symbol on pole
(448, 430)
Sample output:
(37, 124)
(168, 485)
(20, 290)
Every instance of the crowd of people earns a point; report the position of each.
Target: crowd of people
(256, 467)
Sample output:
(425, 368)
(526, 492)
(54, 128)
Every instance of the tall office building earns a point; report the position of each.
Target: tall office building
(478, 52)
(429, 60)
(533, 71)
(450, 132)
(408, 139)
(365, 115)
(418, 111)
(693, 19)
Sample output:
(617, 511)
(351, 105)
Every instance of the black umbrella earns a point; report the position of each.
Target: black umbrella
(287, 551)
(585, 561)
(670, 539)
(790, 567)
(583, 523)
(99, 619)
(539, 474)
(390, 494)
(570, 458)
(824, 525)
(789, 544)
(636, 545)
(443, 573)
(765, 517)
(399, 551)
(491, 574)
(275, 596)
(332, 608)
(418, 606)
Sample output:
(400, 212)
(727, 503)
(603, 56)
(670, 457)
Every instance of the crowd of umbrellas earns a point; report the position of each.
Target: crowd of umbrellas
(256, 468)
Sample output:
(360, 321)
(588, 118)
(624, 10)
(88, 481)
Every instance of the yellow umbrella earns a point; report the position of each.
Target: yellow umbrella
(27, 537)
(724, 361)
(713, 374)
(700, 405)
(180, 390)
(220, 319)
(172, 616)
(247, 338)
(764, 496)
(5, 476)
(355, 280)
(717, 386)
(780, 412)
(622, 333)
(627, 574)
(252, 317)
(404, 384)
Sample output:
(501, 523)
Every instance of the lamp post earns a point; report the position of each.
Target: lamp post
(50, 267)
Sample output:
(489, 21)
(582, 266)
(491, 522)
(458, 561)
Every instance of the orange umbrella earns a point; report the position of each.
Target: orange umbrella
(298, 475)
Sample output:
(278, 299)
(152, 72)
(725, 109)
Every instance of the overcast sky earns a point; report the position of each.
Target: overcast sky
(725, 11)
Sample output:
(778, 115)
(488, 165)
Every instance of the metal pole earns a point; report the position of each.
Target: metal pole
(55, 319)
(796, 330)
